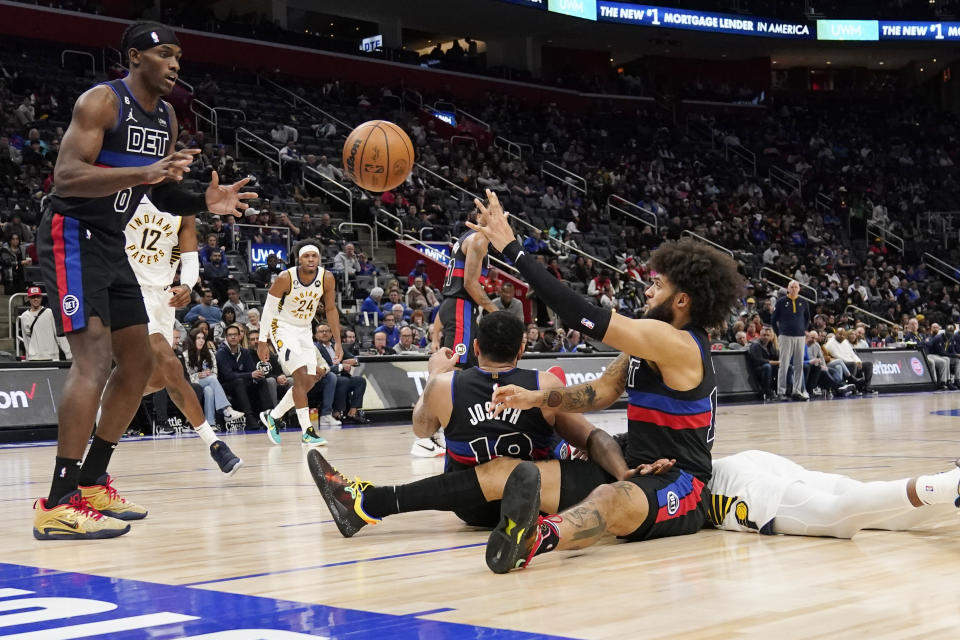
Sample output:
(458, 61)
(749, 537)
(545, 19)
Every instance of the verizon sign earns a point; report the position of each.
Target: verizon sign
(29, 397)
(897, 368)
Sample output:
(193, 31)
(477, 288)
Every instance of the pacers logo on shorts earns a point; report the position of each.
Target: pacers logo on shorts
(70, 305)
(460, 349)
(673, 503)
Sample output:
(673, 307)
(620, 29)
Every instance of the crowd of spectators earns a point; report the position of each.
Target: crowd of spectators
(670, 182)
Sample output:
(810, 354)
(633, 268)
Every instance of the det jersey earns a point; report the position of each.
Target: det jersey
(152, 244)
(665, 423)
(474, 436)
(137, 139)
(453, 283)
(300, 303)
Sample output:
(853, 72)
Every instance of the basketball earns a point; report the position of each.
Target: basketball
(378, 155)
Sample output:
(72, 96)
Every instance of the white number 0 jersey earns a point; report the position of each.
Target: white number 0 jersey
(152, 244)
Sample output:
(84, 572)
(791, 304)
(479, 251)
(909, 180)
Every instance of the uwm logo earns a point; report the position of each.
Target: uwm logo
(151, 142)
(17, 399)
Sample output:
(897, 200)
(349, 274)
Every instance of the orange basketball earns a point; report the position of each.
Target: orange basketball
(378, 156)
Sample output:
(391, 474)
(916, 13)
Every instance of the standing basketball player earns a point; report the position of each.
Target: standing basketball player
(291, 304)
(482, 448)
(116, 146)
(463, 297)
(672, 401)
(156, 243)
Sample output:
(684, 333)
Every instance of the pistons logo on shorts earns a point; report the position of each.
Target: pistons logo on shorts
(673, 503)
(460, 349)
(70, 304)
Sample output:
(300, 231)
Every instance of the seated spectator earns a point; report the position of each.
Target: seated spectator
(371, 304)
(549, 342)
(277, 383)
(507, 302)
(573, 343)
(367, 268)
(284, 133)
(201, 366)
(216, 275)
(598, 285)
(228, 316)
(348, 396)
(292, 162)
(380, 347)
(839, 348)
(532, 337)
(740, 342)
(549, 200)
(13, 260)
(609, 299)
(394, 297)
(206, 251)
(306, 229)
(533, 244)
(327, 233)
(346, 261)
(421, 328)
(40, 330)
(239, 376)
(205, 309)
(419, 271)
(223, 231)
(406, 345)
(234, 302)
(389, 329)
(764, 360)
(323, 394)
(253, 320)
(420, 296)
(264, 276)
(820, 377)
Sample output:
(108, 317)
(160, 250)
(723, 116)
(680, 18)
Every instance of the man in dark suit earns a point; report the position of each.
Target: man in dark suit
(348, 397)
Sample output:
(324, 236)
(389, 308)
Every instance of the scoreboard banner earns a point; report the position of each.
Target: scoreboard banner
(647, 15)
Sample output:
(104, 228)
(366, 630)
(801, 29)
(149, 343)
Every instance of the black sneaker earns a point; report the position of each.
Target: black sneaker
(511, 543)
(225, 459)
(343, 498)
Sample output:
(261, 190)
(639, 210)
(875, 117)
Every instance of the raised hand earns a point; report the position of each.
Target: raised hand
(493, 222)
(227, 200)
(172, 167)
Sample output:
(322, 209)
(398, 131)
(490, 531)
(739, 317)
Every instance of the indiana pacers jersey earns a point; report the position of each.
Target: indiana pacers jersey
(139, 138)
(746, 490)
(474, 436)
(300, 303)
(152, 244)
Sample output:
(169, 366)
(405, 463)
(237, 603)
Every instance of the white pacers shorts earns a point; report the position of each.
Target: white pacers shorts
(747, 488)
(160, 315)
(295, 349)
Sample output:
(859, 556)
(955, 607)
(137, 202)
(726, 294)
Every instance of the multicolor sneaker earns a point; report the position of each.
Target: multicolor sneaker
(73, 519)
(312, 439)
(105, 499)
(343, 498)
(272, 432)
(513, 542)
(228, 462)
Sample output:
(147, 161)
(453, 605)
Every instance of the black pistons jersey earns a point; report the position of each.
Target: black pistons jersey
(138, 138)
(474, 436)
(664, 423)
(453, 284)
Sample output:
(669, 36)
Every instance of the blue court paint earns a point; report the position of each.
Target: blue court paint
(132, 610)
(430, 613)
(333, 564)
(947, 412)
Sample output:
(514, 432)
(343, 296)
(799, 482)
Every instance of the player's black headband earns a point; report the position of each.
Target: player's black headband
(151, 35)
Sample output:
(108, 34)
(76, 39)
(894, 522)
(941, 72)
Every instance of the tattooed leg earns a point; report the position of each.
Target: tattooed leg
(617, 508)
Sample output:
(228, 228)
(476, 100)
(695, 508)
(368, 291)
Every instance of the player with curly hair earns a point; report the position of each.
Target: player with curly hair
(672, 394)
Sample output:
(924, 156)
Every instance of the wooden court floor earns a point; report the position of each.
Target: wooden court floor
(261, 544)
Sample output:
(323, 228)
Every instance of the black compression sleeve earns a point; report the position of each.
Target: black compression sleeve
(575, 312)
(174, 199)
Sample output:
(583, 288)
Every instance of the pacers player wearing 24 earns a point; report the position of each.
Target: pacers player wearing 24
(291, 304)
(156, 242)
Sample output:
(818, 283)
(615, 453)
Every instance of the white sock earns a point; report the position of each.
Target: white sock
(303, 417)
(206, 433)
(285, 404)
(940, 488)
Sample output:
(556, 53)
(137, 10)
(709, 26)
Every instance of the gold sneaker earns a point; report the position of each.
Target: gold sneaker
(105, 499)
(73, 519)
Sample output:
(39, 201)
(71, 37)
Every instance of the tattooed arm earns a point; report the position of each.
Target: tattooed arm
(590, 396)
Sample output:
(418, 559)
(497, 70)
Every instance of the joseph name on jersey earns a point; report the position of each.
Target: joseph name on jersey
(152, 244)
(300, 304)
